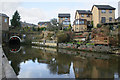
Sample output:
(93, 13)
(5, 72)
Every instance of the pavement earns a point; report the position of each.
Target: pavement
(6, 71)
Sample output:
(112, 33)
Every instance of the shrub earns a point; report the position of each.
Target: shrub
(79, 42)
(89, 44)
(99, 25)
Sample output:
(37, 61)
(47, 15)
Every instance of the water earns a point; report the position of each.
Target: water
(41, 62)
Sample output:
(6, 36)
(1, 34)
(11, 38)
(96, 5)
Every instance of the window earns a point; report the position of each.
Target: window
(66, 23)
(5, 20)
(76, 28)
(103, 11)
(82, 22)
(66, 18)
(61, 18)
(45, 24)
(110, 18)
(88, 15)
(103, 20)
(82, 15)
(77, 22)
(110, 11)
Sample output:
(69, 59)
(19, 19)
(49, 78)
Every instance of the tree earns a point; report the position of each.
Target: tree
(53, 25)
(63, 37)
(38, 29)
(70, 27)
(15, 21)
(33, 29)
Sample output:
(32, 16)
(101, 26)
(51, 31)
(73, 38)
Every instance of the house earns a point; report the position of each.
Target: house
(43, 24)
(82, 21)
(24, 24)
(84, 14)
(4, 22)
(103, 14)
(80, 25)
(117, 20)
(64, 19)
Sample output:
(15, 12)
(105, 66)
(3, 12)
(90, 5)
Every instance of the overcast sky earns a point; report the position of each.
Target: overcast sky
(33, 11)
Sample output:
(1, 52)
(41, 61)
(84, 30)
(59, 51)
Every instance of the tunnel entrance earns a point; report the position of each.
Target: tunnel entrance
(14, 48)
(14, 40)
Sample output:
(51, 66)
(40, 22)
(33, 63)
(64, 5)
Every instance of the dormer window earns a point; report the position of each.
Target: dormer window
(103, 11)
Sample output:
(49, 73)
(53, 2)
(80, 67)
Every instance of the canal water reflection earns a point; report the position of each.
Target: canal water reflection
(41, 62)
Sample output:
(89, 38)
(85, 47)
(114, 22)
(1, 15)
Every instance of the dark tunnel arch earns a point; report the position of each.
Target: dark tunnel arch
(14, 40)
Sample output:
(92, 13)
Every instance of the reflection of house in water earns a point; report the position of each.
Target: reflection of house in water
(94, 68)
(60, 64)
(64, 63)
(63, 69)
(80, 67)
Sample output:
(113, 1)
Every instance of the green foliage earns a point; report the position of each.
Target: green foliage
(15, 21)
(99, 25)
(90, 44)
(63, 37)
(79, 42)
(92, 24)
(118, 26)
(110, 27)
(42, 28)
(53, 26)
(70, 27)
(33, 29)
(38, 29)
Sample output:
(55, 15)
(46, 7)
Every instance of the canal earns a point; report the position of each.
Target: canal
(42, 62)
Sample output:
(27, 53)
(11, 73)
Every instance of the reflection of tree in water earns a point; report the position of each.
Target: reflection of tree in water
(61, 65)
(17, 58)
(52, 67)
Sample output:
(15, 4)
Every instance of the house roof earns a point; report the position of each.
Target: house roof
(4, 15)
(105, 7)
(63, 15)
(43, 22)
(84, 11)
(28, 24)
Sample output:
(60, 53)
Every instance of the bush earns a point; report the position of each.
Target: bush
(79, 42)
(90, 44)
(99, 25)
(42, 28)
(61, 38)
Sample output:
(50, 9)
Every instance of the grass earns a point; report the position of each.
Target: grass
(90, 44)
(79, 42)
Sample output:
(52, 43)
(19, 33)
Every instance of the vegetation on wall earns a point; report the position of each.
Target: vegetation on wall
(63, 37)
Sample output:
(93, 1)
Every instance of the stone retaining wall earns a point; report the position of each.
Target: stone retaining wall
(75, 46)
